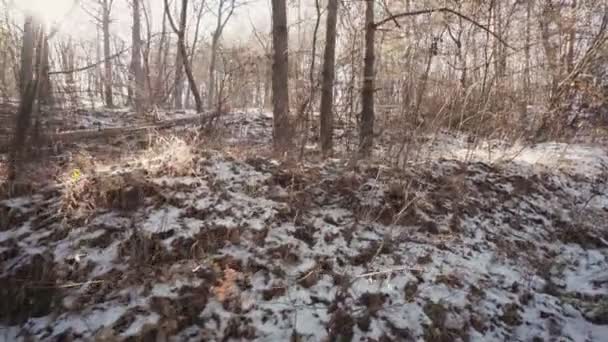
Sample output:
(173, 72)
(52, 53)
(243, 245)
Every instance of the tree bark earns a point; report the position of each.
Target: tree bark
(212, 62)
(27, 54)
(181, 45)
(327, 88)
(366, 128)
(28, 87)
(548, 15)
(107, 79)
(180, 58)
(571, 39)
(138, 76)
(45, 85)
(215, 40)
(282, 130)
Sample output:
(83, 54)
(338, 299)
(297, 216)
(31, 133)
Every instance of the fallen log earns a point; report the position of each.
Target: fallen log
(86, 134)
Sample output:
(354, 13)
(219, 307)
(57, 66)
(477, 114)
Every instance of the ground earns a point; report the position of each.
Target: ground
(190, 241)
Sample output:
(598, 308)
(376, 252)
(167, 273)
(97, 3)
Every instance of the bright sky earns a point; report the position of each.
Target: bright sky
(79, 24)
(49, 10)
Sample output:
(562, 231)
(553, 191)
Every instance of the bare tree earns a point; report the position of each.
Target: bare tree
(178, 89)
(223, 15)
(366, 128)
(282, 130)
(136, 55)
(181, 45)
(327, 88)
(106, 10)
(28, 87)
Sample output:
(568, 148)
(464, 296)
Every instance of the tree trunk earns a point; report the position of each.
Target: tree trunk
(45, 91)
(212, 62)
(181, 46)
(327, 88)
(572, 39)
(548, 15)
(214, 45)
(109, 99)
(366, 128)
(161, 59)
(28, 86)
(282, 130)
(138, 76)
(180, 58)
(27, 54)
(500, 57)
(527, 79)
(267, 82)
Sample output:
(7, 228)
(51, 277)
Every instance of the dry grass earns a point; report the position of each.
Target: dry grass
(171, 156)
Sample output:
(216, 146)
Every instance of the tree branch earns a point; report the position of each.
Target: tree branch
(442, 10)
(171, 21)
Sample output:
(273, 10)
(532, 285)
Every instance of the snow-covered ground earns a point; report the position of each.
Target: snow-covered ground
(205, 246)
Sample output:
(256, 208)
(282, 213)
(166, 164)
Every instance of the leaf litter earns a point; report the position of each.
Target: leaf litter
(250, 249)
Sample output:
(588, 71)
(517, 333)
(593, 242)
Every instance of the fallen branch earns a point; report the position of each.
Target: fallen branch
(78, 135)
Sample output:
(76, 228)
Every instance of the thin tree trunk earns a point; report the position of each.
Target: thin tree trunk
(106, 54)
(547, 17)
(180, 58)
(27, 54)
(282, 130)
(327, 89)
(366, 129)
(181, 45)
(267, 83)
(212, 62)
(28, 87)
(215, 40)
(138, 76)
(526, 79)
(572, 39)
(46, 91)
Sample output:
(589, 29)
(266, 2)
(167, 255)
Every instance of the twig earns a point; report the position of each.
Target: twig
(392, 270)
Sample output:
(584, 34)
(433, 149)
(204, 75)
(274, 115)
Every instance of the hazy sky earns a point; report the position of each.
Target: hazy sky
(78, 22)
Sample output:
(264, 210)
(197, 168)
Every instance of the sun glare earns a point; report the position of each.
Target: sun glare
(50, 11)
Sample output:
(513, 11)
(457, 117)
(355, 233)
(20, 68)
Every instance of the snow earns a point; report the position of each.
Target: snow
(302, 253)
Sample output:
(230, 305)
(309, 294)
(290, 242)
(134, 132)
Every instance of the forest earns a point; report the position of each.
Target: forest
(304, 170)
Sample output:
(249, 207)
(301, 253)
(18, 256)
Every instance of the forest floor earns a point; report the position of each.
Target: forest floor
(207, 241)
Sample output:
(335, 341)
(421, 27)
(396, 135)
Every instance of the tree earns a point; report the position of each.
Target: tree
(181, 46)
(327, 88)
(27, 53)
(136, 55)
(282, 130)
(366, 128)
(178, 87)
(106, 9)
(28, 85)
(215, 39)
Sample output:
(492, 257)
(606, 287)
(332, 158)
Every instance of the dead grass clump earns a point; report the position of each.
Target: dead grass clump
(213, 239)
(240, 329)
(10, 217)
(581, 235)
(83, 195)
(183, 311)
(437, 331)
(141, 249)
(169, 156)
(341, 326)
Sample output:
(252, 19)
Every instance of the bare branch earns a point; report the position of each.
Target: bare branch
(171, 21)
(441, 10)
